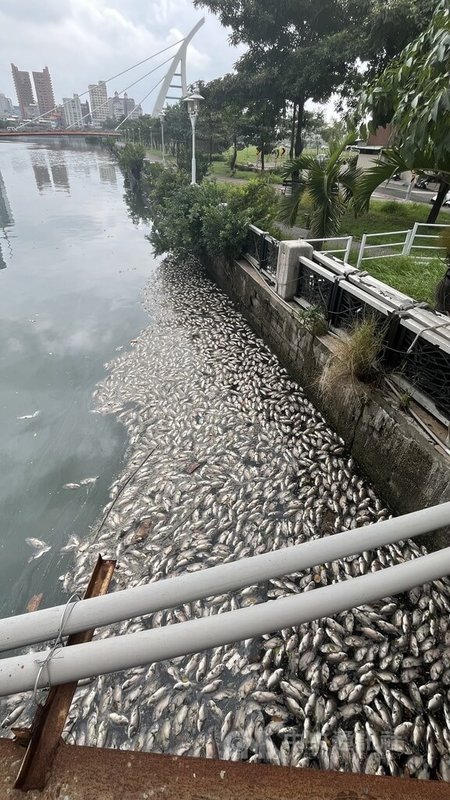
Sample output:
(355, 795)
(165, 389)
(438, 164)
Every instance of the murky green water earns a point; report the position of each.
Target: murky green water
(72, 264)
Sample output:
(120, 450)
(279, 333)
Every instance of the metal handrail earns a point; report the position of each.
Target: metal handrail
(22, 673)
(42, 625)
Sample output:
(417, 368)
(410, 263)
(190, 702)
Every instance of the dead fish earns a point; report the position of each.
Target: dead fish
(29, 416)
(39, 547)
(34, 602)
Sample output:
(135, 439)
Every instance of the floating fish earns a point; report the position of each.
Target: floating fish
(29, 416)
(366, 690)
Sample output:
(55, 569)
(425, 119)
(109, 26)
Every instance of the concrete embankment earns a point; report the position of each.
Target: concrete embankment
(408, 470)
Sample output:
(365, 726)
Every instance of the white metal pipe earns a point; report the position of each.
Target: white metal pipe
(40, 626)
(20, 673)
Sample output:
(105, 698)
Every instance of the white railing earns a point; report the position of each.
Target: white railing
(345, 249)
(51, 667)
(407, 240)
(415, 244)
(403, 240)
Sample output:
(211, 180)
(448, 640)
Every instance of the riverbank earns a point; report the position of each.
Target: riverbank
(408, 469)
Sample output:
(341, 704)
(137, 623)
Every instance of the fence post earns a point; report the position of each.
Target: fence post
(361, 250)
(348, 249)
(409, 240)
(288, 266)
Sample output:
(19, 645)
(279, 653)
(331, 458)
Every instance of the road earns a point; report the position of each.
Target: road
(398, 192)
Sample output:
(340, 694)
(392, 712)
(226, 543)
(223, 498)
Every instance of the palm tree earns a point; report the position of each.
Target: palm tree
(328, 182)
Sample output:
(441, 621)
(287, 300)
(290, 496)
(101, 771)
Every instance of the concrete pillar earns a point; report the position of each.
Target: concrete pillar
(288, 266)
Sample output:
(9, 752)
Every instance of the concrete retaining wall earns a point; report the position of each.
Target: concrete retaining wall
(407, 470)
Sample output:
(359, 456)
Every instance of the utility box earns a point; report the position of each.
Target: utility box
(288, 267)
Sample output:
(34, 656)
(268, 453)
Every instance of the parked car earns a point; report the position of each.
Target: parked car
(446, 199)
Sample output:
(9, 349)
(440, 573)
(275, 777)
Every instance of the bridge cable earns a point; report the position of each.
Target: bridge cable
(141, 101)
(126, 89)
(113, 77)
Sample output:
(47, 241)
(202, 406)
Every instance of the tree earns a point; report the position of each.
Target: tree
(131, 159)
(303, 50)
(327, 182)
(413, 94)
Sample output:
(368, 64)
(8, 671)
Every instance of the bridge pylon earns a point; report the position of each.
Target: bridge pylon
(179, 60)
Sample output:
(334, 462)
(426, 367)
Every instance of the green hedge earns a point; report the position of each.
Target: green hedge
(205, 219)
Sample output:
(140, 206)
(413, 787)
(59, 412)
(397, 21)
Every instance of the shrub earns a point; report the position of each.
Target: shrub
(354, 360)
(206, 219)
(131, 159)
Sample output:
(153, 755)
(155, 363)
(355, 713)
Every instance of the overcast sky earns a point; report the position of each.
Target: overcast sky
(83, 41)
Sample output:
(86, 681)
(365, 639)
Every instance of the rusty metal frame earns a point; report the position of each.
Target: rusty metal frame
(44, 736)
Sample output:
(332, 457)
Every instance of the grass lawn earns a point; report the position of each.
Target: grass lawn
(387, 215)
(409, 275)
(220, 169)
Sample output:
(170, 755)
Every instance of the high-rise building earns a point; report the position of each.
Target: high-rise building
(73, 115)
(6, 107)
(119, 107)
(115, 107)
(99, 103)
(44, 91)
(86, 113)
(24, 90)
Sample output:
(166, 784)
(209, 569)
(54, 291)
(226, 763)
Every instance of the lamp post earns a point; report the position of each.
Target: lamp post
(161, 119)
(193, 102)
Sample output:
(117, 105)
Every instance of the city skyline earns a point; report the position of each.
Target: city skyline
(83, 42)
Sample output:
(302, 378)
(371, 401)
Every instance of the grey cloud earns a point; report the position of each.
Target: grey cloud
(42, 11)
(84, 41)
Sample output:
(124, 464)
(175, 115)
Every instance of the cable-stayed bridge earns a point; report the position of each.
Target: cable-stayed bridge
(168, 90)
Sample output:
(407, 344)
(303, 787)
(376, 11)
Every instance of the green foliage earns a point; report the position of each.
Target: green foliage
(206, 219)
(413, 93)
(300, 50)
(131, 159)
(257, 197)
(184, 162)
(328, 182)
(313, 320)
(404, 401)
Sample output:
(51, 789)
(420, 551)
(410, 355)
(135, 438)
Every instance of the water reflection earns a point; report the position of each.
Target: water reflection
(107, 173)
(6, 220)
(60, 177)
(41, 176)
(68, 305)
(50, 170)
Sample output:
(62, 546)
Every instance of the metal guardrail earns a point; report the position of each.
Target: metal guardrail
(364, 247)
(416, 235)
(49, 668)
(408, 241)
(345, 249)
(416, 340)
(261, 250)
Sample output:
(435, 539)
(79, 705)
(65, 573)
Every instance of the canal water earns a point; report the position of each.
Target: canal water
(72, 264)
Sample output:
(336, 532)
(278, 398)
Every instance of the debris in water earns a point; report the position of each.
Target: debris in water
(29, 416)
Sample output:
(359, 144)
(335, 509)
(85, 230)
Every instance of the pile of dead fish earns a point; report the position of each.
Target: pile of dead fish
(236, 461)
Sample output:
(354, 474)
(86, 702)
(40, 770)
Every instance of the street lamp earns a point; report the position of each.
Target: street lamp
(161, 119)
(193, 102)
